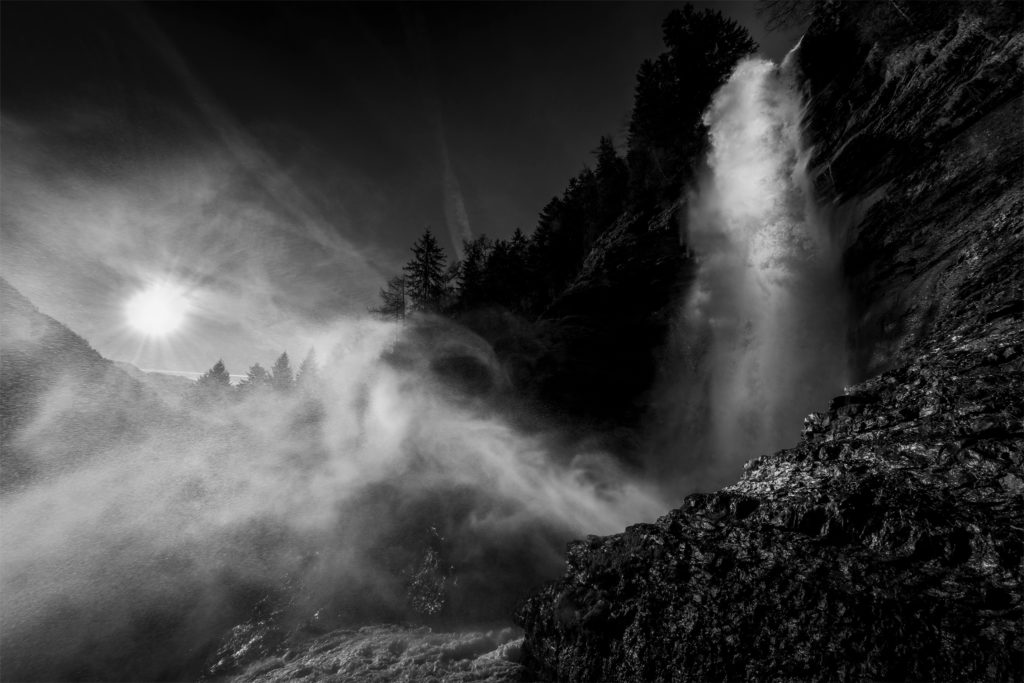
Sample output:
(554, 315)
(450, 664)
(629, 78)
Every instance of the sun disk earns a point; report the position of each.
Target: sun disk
(158, 310)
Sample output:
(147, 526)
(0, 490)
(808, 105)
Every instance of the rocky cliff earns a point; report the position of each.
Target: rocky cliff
(887, 544)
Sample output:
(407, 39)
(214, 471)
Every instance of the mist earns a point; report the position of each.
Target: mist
(400, 486)
(324, 502)
(760, 339)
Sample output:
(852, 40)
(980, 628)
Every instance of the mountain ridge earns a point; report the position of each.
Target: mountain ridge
(54, 381)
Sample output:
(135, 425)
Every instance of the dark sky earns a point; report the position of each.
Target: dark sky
(322, 137)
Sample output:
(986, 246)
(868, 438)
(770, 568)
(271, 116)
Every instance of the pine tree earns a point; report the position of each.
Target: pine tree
(472, 270)
(579, 222)
(212, 386)
(425, 275)
(519, 244)
(308, 371)
(450, 294)
(393, 300)
(255, 380)
(548, 223)
(281, 374)
(542, 257)
(612, 175)
(498, 281)
(519, 272)
(666, 132)
(215, 376)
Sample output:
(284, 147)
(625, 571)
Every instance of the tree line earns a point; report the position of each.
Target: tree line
(215, 383)
(666, 144)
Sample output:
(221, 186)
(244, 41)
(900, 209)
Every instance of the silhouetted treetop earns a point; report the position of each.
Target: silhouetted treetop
(217, 375)
(308, 369)
(666, 134)
(281, 377)
(425, 275)
(472, 272)
(257, 378)
(667, 139)
(212, 386)
(393, 300)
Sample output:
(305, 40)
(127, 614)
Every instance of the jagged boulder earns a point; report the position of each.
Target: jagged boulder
(887, 545)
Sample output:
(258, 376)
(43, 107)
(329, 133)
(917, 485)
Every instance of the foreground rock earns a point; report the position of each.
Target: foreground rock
(389, 653)
(887, 545)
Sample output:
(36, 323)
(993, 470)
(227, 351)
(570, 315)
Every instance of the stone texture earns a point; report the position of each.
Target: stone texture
(382, 653)
(886, 545)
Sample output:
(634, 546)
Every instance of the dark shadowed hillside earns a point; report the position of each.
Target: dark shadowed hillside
(170, 388)
(53, 375)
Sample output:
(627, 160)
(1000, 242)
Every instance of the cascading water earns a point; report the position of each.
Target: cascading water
(760, 339)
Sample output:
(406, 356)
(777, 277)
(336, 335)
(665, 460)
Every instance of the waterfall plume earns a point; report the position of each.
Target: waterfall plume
(759, 341)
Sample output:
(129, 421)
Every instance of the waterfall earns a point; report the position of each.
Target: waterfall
(759, 342)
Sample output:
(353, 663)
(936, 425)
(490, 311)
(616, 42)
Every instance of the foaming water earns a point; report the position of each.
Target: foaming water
(760, 339)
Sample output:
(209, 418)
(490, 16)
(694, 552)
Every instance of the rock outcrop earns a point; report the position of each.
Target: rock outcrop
(382, 653)
(887, 544)
(925, 175)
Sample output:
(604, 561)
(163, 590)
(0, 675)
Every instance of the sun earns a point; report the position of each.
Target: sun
(158, 310)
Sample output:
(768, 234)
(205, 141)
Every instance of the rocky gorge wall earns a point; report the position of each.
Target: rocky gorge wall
(886, 544)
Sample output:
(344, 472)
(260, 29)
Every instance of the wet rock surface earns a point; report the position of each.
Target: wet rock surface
(887, 544)
(919, 150)
(384, 653)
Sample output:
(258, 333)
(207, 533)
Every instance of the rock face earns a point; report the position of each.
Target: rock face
(388, 653)
(925, 174)
(887, 544)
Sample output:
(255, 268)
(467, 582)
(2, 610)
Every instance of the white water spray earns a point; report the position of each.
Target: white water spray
(761, 335)
(133, 562)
